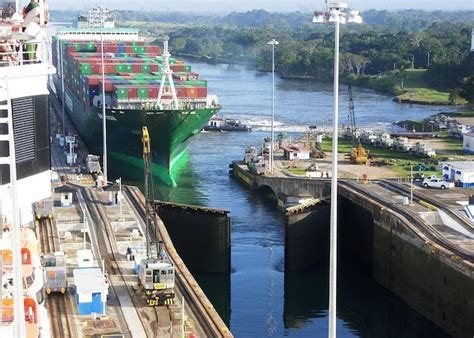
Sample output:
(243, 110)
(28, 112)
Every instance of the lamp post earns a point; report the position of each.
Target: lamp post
(272, 42)
(119, 181)
(102, 15)
(336, 13)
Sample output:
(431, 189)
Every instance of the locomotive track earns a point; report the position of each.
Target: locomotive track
(56, 303)
(430, 232)
(422, 196)
(111, 255)
(210, 325)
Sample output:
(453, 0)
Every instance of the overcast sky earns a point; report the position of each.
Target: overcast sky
(225, 6)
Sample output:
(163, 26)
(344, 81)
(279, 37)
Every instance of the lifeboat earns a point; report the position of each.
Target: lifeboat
(31, 318)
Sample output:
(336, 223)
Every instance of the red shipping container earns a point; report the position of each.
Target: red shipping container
(109, 69)
(201, 91)
(132, 93)
(154, 67)
(192, 92)
(177, 68)
(181, 92)
(92, 80)
(153, 92)
(137, 68)
(95, 68)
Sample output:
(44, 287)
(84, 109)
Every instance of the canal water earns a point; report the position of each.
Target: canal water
(259, 299)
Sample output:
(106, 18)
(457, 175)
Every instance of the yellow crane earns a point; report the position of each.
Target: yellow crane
(358, 153)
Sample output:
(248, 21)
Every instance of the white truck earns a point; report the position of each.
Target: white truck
(439, 183)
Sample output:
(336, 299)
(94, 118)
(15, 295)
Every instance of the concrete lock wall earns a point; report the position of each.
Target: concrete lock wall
(201, 237)
(399, 259)
(307, 238)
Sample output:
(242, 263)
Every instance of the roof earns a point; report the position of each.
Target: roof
(64, 189)
(111, 187)
(293, 149)
(463, 165)
(96, 30)
(469, 134)
(89, 280)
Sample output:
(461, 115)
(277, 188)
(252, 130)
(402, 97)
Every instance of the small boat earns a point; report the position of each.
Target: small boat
(220, 123)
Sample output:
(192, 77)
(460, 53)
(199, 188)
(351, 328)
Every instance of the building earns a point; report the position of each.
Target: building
(91, 290)
(460, 171)
(468, 143)
(294, 153)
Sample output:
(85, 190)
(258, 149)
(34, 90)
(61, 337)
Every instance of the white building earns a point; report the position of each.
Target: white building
(461, 171)
(468, 143)
(295, 153)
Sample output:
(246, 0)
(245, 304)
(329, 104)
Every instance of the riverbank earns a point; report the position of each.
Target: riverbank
(408, 86)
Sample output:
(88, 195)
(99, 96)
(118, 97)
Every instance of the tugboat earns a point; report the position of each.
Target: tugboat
(220, 123)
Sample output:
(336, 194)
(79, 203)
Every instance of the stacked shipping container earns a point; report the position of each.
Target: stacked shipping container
(133, 72)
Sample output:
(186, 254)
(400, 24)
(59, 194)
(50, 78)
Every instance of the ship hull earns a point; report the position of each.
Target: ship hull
(170, 132)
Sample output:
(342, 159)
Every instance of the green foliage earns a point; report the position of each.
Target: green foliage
(378, 54)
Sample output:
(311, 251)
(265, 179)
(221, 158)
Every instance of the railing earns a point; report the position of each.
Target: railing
(18, 53)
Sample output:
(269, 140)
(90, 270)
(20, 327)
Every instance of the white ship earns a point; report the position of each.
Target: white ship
(25, 174)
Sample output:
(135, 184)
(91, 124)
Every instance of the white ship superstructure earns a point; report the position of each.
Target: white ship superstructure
(25, 174)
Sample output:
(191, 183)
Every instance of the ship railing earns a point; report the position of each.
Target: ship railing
(19, 53)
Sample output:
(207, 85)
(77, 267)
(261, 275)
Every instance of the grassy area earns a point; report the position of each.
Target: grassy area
(297, 171)
(417, 90)
(453, 145)
(398, 162)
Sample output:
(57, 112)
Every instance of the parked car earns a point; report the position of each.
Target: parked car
(437, 183)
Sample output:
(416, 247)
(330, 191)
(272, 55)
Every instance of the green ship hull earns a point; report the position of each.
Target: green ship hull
(170, 131)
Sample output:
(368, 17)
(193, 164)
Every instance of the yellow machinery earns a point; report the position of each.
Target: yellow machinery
(358, 154)
(156, 272)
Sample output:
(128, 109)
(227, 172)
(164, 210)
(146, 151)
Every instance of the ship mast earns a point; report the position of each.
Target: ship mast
(167, 74)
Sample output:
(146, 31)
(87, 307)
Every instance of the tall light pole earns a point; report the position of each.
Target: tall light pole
(104, 116)
(336, 13)
(273, 42)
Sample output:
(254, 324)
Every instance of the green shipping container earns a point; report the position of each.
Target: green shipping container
(187, 68)
(119, 68)
(145, 68)
(143, 93)
(121, 93)
(85, 68)
(128, 68)
(196, 83)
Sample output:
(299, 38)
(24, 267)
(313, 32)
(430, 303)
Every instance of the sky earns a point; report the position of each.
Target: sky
(225, 6)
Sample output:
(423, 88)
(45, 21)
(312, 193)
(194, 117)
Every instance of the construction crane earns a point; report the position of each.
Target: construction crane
(358, 153)
(152, 238)
(156, 272)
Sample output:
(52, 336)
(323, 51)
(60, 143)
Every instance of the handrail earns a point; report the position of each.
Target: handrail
(21, 53)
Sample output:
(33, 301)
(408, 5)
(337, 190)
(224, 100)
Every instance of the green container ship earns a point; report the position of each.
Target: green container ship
(143, 87)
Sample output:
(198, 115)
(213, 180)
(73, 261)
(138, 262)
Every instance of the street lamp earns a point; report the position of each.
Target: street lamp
(336, 13)
(119, 182)
(102, 16)
(272, 42)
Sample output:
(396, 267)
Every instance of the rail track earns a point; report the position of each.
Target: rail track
(111, 255)
(439, 204)
(430, 232)
(61, 325)
(210, 325)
